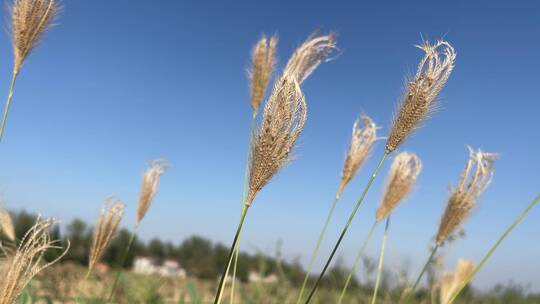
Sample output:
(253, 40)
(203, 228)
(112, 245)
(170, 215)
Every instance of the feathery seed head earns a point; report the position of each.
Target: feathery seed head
(149, 187)
(29, 21)
(28, 260)
(262, 66)
(283, 119)
(284, 115)
(403, 173)
(308, 56)
(474, 180)
(453, 280)
(364, 135)
(421, 93)
(6, 224)
(106, 227)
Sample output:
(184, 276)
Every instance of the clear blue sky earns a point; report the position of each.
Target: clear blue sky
(118, 83)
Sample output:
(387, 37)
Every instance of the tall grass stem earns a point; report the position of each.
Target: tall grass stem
(349, 221)
(8, 103)
(359, 256)
(244, 191)
(316, 250)
(429, 260)
(381, 260)
(219, 293)
(122, 262)
(493, 248)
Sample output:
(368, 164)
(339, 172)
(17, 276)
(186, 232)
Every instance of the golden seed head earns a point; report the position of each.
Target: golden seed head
(419, 100)
(106, 227)
(308, 56)
(474, 180)
(262, 65)
(29, 21)
(452, 281)
(149, 187)
(403, 173)
(6, 224)
(364, 135)
(28, 260)
(284, 115)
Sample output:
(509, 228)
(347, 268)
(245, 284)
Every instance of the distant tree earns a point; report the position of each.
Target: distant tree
(79, 236)
(196, 255)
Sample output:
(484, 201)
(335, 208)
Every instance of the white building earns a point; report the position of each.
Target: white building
(150, 265)
(255, 277)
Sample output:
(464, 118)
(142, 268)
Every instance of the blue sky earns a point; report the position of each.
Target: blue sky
(117, 84)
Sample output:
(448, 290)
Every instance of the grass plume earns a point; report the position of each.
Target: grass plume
(262, 65)
(107, 224)
(28, 260)
(6, 224)
(403, 173)
(451, 281)
(422, 91)
(474, 180)
(149, 187)
(364, 135)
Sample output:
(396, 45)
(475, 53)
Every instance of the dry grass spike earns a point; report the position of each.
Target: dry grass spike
(30, 20)
(403, 173)
(149, 187)
(364, 135)
(474, 180)
(453, 280)
(422, 91)
(6, 224)
(262, 66)
(308, 56)
(28, 260)
(107, 224)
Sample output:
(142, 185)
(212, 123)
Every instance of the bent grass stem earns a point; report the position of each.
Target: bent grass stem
(356, 262)
(381, 259)
(493, 248)
(349, 221)
(8, 103)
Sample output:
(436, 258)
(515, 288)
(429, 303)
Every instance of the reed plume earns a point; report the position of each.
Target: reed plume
(149, 187)
(364, 135)
(30, 20)
(28, 260)
(283, 119)
(403, 173)
(308, 56)
(474, 180)
(262, 65)
(107, 224)
(284, 115)
(421, 92)
(450, 282)
(6, 224)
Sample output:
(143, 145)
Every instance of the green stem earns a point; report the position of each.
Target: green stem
(246, 173)
(349, 221)
(219, 292)
(316, 250)
(8, 103)
(122, 262)
(359, 255)
(381, 259)
(413, 289)
(493, 248)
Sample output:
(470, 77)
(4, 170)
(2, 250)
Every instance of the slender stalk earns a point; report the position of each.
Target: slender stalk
(349, 221)
(122, 262)
(8, 103)
(316, 250)
(381, 259)
(219, 292)
(359, 255)
(429, 260)
(244, 191)
(493, 248)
